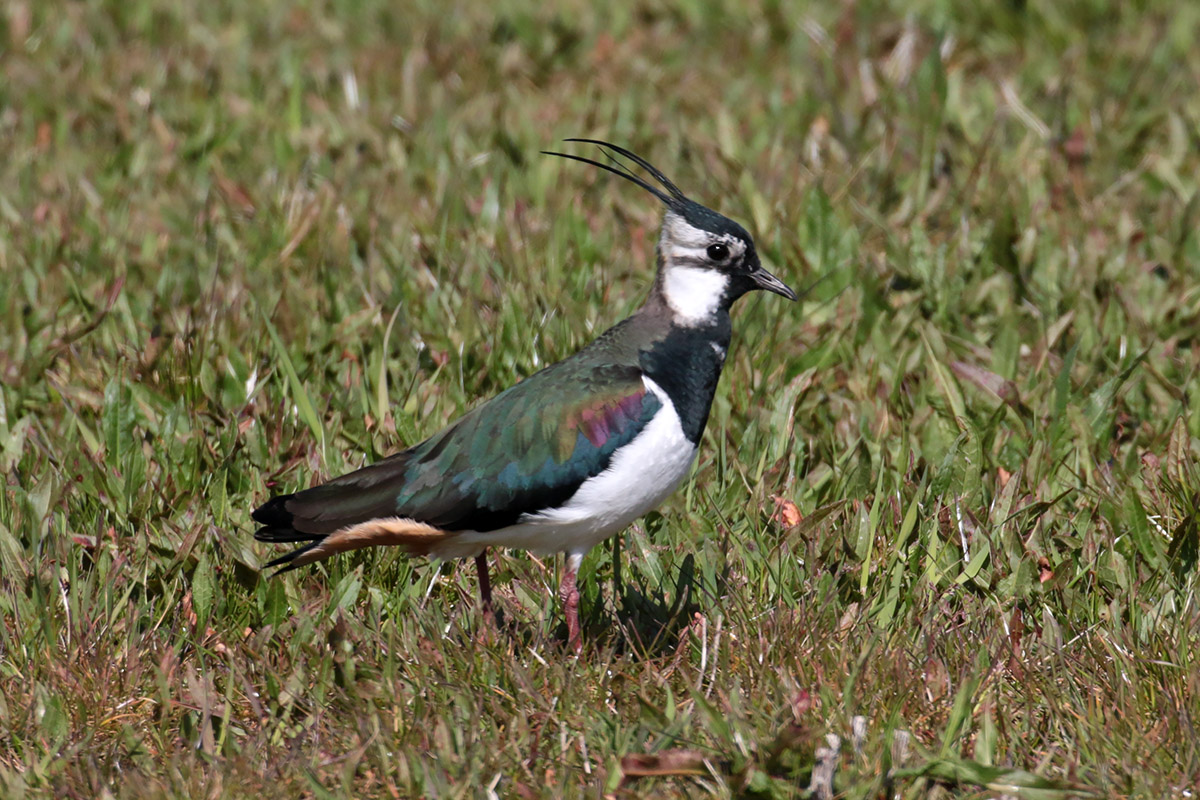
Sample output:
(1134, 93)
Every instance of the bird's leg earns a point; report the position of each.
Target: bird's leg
(485, 588)
(568, 593)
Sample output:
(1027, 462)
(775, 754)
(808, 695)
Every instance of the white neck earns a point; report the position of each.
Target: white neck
(694, 294)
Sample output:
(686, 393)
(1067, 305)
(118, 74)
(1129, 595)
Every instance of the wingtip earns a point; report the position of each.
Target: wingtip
(286, 562)
(274, 513)
(284, 535)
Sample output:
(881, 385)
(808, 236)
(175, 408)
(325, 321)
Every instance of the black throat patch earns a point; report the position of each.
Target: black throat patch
(687, 365)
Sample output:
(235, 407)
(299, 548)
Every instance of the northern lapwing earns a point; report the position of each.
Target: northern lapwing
(574, 453)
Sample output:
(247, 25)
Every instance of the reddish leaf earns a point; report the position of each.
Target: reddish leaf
(786, 512)
(801, 703)
(1075, 148)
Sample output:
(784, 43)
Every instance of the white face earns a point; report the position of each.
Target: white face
(693, 294)
(694, 277)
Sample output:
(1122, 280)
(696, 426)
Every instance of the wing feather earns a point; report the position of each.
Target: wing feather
(527, 449)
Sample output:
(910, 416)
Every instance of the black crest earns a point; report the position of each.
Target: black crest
(695, 214)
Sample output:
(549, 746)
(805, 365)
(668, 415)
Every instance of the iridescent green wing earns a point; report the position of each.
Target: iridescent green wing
(527, 449)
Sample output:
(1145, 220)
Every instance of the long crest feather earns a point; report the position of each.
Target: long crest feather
(671, 200)
(671, 188)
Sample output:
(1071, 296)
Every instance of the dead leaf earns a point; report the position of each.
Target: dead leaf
(235, 195)
(1179, 452)
(1003, 388)
(786, 512)
(1016, 632)
(1045, 573)
(668, 762)
(849, 617)
(937, 678)
(188, 611)
(301, 230)
(524, 791)
(802, 703)
(812, 522)
(602, 52)
(1075, 148)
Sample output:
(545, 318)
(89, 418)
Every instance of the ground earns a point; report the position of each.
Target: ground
(951, 494)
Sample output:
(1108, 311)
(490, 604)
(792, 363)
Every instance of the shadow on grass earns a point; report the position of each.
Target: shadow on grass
(648, 621)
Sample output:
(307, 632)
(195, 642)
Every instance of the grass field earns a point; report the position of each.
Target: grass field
(952, 493)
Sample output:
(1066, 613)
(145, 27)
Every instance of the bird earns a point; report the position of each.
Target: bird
(572, 454)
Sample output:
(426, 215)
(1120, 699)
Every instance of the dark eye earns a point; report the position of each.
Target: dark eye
(718, 252)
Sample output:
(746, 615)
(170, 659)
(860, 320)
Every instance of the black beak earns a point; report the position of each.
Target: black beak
(765, 280)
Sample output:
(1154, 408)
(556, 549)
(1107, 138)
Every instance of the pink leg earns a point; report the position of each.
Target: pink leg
(568, 593)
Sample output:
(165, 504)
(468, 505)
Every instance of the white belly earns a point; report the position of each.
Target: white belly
(639, 477)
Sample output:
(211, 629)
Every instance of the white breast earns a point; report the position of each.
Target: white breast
(639, 477)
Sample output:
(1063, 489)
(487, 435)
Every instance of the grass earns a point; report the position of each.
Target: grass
(953, 492)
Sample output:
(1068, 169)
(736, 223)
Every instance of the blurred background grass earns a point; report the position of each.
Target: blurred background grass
(246, 246)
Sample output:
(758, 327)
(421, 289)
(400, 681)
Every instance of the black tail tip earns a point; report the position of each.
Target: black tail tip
(277, 528)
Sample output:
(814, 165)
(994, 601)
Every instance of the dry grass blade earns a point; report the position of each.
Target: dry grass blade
(665, 764)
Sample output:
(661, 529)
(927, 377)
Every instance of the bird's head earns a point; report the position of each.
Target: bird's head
(706, 260)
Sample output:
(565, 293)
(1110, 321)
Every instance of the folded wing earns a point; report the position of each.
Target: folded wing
(526, 450)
